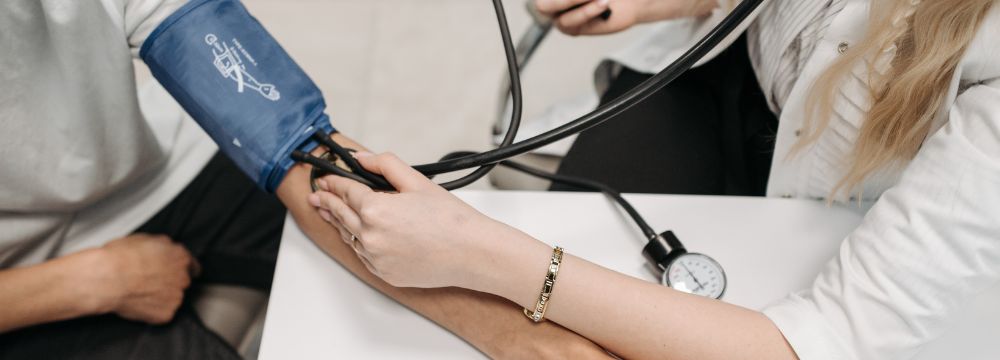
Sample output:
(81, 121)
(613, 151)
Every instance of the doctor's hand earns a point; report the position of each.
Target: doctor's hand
(586, 20)
(422, 236)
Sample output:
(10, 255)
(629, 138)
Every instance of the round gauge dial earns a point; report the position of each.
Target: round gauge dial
(697, 274)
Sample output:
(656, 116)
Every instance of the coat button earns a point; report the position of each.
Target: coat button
(843, 47)
(798, 132)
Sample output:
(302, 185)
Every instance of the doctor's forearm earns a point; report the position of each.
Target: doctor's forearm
(492, 324)
(630, 317)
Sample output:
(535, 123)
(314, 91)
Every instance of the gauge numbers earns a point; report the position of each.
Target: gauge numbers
(697, 274)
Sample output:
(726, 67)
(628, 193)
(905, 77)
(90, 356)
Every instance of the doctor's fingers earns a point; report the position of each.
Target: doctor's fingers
(357, 245)
(351, 192)
(333, 220)
(581, 16)
(345, 235)
(597, 27)
(340, 211)
(552, 7)
(401, 175)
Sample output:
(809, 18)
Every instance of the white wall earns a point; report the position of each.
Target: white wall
(421, 77)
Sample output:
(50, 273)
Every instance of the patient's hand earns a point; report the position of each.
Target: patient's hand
(145, 278)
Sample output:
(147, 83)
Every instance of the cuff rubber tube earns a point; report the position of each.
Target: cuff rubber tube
(239, 85)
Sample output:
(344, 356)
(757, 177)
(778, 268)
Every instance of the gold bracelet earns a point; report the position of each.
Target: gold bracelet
(550, 282)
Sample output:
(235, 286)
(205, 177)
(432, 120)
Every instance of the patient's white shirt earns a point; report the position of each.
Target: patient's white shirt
(86, 156)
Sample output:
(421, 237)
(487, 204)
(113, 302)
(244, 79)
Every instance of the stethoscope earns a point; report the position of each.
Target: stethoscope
(682, 270)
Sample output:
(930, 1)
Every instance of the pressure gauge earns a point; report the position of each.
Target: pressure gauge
(697, 274)
(685, 271)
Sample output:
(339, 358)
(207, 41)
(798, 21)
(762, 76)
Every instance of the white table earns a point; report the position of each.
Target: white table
(768, 247)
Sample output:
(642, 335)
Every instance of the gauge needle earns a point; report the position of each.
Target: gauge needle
(700, 286)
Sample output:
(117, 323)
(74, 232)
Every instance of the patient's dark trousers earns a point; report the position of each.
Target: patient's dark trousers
(233, 229)
(709, 132)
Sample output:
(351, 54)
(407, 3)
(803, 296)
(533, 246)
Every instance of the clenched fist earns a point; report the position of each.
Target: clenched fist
(145, 277)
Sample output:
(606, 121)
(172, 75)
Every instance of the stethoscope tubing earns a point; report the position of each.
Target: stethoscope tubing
(507, 149)
(617, 106)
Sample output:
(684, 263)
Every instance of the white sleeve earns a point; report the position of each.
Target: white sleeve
(138, 18)
(930, 244)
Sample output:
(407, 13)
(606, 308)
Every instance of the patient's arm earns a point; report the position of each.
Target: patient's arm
(492, 324)
(139, 277)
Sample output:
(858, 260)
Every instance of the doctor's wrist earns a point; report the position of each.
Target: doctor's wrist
(512, 267)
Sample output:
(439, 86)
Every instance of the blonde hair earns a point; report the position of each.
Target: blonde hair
(911, 51)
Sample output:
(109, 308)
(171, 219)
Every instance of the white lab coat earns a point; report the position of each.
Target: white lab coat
(931, 239)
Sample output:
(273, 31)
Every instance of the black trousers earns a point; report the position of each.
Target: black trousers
(227, 223)
(709, 132)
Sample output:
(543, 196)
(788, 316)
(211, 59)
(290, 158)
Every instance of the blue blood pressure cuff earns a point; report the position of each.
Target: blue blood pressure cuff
(235, 80)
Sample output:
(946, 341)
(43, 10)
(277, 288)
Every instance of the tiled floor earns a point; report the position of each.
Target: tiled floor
(421, 77)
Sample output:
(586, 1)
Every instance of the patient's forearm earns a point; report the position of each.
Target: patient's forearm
(492, 324)
(55, 290)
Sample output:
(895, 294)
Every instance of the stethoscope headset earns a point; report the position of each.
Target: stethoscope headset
(685, 271)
